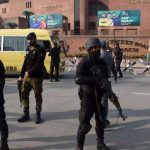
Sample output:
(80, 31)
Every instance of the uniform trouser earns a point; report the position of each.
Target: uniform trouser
(105, 105)
(88, 108)
(118, 63)
(3, 123)
(56, 66)
(27, 86)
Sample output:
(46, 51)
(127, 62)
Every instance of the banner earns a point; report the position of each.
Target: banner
(48, 21)
(119, 18)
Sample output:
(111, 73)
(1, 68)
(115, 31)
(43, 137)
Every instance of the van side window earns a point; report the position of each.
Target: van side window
(14, 43)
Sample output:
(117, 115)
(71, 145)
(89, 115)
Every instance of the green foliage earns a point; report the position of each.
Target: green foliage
(27, 13)
(11, 25)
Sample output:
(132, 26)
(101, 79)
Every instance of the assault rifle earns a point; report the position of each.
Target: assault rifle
(102, 82)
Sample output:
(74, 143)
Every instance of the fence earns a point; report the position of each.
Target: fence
(134, 66)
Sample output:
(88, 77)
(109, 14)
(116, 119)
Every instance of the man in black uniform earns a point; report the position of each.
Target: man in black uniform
(107, 57)
(3, 123)
(118, 56)
(55, 59)
(32, 74)
(90, 95)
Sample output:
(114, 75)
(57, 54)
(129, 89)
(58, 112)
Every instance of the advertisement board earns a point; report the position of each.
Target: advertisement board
(119, 18)
(48, 21)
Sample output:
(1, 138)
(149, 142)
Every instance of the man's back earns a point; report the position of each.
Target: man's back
(118, 53)
(107, 57)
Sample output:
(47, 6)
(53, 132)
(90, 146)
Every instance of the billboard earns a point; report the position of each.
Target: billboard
(119, 18)
(48, 21)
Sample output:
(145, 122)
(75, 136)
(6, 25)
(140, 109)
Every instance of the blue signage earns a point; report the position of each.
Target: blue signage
(119, 18)
(48, 21)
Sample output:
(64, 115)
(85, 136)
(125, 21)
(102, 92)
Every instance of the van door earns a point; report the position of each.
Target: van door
(13, 53)
(47, 46)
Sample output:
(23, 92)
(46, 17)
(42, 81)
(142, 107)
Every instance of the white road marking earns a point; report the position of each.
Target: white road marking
(136, 93)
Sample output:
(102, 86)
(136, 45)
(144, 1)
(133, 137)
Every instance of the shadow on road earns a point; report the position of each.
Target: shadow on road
(129, 135)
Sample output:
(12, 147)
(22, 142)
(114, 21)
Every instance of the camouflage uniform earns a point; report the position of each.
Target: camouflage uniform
(34, 65)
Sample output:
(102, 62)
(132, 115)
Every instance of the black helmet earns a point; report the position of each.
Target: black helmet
(103, 44)
(92, 41)
(31, 36)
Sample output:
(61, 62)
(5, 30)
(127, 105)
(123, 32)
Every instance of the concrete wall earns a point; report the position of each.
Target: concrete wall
(15, 8)
(77, 42)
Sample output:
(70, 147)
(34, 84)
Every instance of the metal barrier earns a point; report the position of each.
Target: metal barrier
(72, 63)
(129, 67)
(143, 65)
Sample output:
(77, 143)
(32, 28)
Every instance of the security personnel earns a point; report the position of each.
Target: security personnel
(90, 96)
(3, 123)
(55, 59)
(107, 57)
(118, 56)
(32, 74)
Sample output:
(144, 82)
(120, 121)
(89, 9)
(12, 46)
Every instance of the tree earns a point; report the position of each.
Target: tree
(11, 25)
(27, 14)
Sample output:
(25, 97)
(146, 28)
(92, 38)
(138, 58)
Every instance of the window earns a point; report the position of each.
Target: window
(4, 1)
(92, 26)
(94, 7)
(28, 5)
(3, 10)
(14, 43)
(131, 32)
(77, 27)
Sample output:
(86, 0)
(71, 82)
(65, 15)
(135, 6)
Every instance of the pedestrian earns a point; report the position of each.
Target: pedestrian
(55, 59)
(91, 95)
(107, 57)
(32, 74)
(118, 58)
(3, 123)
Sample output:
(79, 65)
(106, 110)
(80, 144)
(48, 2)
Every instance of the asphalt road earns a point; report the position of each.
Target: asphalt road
(60, 116)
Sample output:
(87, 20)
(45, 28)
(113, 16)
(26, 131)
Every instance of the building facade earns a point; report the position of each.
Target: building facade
(81, 14)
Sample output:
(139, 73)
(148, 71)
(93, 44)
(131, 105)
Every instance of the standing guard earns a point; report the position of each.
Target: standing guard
(107, 57)
(55, 60)
(90, 94)
(32, 74)
(118, 58)
(3, 123)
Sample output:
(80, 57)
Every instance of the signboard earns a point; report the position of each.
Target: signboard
(119, 18)
(48, 21)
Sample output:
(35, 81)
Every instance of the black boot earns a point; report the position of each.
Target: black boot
(38, 118)
(56, 79)
(4, 145)
(79, 147)
(25, 117)
(101, 146)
